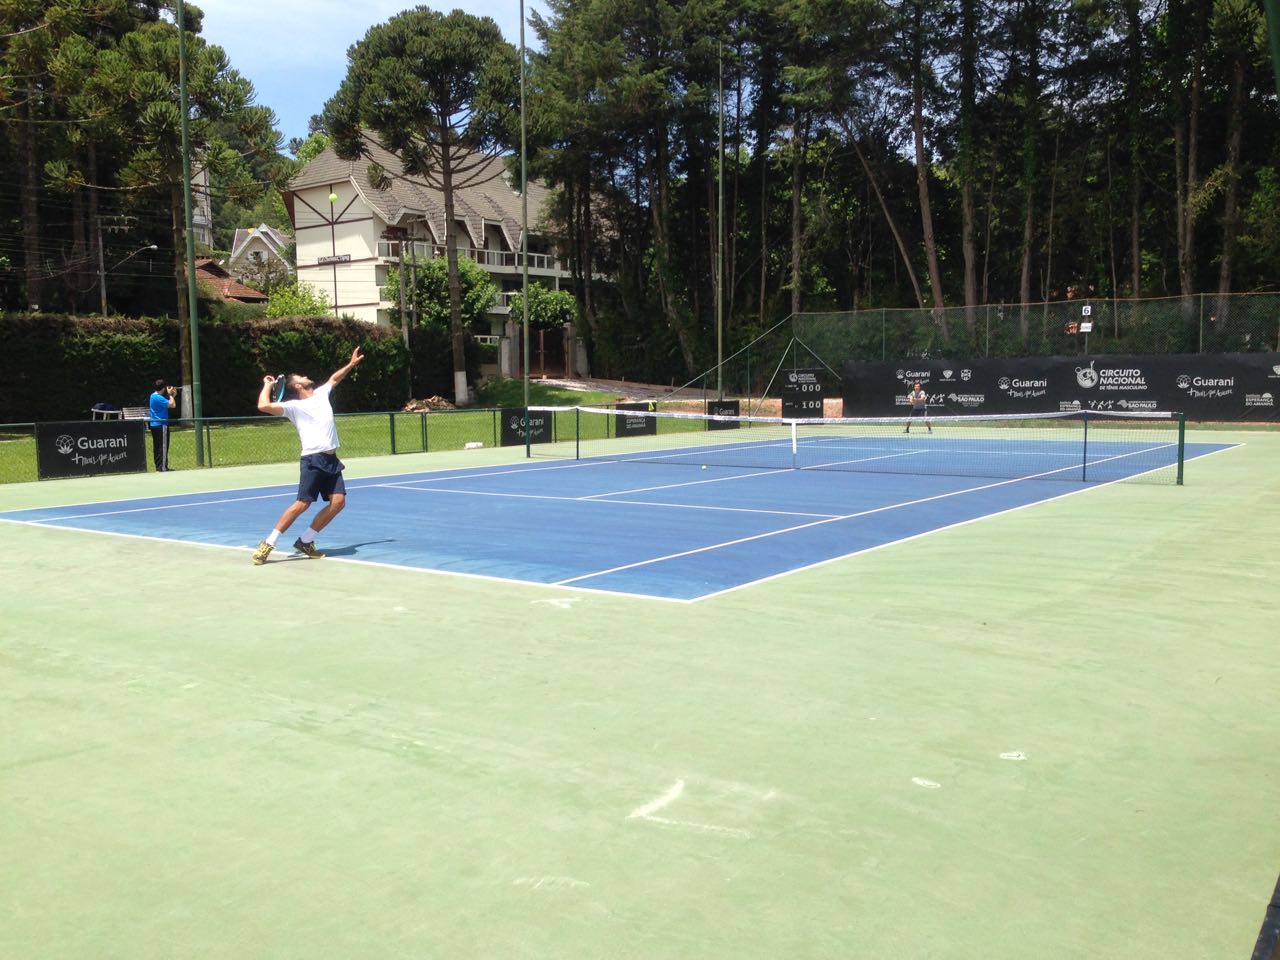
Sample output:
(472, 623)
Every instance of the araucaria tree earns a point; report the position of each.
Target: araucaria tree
(439, 91)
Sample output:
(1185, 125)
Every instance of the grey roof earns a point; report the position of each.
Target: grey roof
(486, 195)
(270, 235)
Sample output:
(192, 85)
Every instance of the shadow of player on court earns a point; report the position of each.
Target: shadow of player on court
(352, 549)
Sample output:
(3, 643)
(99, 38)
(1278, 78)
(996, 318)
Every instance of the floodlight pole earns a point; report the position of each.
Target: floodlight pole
(719, 270)
(196, 404)
(524, 238)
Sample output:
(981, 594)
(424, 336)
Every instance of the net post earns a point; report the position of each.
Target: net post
(208, 441)
(391, 417)
(424, 431)
(794, 444)
(1182, 444)
(1084, 458)
(577, 433)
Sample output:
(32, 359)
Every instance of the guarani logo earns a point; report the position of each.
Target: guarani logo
(1004, 383)
(64, 445)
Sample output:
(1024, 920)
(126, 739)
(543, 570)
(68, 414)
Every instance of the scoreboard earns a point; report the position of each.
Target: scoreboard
(802, 394)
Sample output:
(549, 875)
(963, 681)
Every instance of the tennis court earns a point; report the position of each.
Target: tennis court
(1049, 731)
(681, 515)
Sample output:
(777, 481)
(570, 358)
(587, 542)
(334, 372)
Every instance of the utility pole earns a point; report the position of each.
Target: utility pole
(102, 271)
(524, 237)
(719, 270)
(192, 305)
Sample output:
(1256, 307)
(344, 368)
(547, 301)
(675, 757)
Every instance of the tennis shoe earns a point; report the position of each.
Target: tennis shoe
(260, 555)
(309, 549)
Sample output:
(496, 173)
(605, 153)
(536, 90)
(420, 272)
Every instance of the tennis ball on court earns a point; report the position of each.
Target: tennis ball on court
(333, 198)
(704, 466)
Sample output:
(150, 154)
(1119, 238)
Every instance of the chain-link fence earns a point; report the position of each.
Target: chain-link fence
(824, 342)
(1204, 323)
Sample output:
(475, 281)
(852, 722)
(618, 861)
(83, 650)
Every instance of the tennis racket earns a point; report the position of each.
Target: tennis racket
(279, 387)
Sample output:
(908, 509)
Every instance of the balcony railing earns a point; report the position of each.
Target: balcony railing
(498, 259)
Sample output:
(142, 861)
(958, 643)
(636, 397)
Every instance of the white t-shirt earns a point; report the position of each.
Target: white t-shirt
(314, 419)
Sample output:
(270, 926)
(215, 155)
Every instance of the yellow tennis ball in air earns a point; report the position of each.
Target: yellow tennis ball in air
(333, 198)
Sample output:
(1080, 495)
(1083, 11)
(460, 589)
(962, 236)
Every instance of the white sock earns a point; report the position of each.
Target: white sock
(272, 537)
(309, 536)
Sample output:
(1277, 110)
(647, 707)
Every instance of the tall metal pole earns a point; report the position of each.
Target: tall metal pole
(524, 236)
(719, 270)
(197, 406)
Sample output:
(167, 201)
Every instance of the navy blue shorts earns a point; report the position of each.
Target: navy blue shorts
(320, 477)
(920, 411)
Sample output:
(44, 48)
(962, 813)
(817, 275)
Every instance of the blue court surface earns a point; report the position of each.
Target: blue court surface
(638, 527)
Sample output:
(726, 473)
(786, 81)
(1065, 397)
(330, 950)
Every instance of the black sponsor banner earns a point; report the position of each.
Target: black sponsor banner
(723, 408)
(85, 448)
(513, 426)
(1213, 386)
(626, 424)
(802, 394)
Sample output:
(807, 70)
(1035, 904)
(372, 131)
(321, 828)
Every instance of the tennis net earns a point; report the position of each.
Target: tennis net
(1082, 446)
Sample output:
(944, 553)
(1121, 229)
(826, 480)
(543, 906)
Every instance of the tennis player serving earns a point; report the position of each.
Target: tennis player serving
(320, 471)
(919, 401)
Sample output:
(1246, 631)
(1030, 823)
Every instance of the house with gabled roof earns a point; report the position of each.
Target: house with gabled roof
(256, 250)
(224, 286)
(349, 234)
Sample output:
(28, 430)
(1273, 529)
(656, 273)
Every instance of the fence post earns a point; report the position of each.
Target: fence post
(424, 431)
(884, 347)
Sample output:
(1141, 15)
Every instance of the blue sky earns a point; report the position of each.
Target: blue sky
(295, 51)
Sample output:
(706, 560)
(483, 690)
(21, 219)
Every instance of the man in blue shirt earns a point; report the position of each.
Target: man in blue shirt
(162, 401)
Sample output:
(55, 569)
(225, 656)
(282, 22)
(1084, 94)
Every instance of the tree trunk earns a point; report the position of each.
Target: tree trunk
(30, 186)
(79, 261)
(1030, 165)
(798, 135)
(1047, 286)
(1190, 204)
(661, 206)
(180, 286)
(1235, 131)
(1133, 43)
(922, 172)
(888, 218)
(968, 158)
(461, 394)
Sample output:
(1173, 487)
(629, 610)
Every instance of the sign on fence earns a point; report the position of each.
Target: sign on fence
(85, 448)
(512, 433)
(723, 408)
(1204, 386)
(626, 424)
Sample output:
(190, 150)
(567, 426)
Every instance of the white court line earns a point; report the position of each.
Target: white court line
(653, 806)
(630, 503)
(687, 483)
(818, 523)
(1084, 488)
(158, 506)
(383, 565)
(745, 476)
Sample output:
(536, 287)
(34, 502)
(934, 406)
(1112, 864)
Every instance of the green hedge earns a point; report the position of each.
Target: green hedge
(57, 367)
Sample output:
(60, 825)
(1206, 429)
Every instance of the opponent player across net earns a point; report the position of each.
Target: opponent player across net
(919, 401)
